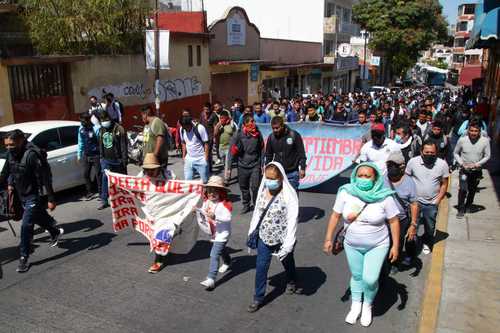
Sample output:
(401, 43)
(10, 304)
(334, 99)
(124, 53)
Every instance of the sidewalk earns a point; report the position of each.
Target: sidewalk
(470, 298)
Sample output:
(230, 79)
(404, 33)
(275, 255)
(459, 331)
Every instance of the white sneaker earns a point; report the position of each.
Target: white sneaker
(366, 315)
(223, 268)
(208, 283)
(354, 313)
(426, 249)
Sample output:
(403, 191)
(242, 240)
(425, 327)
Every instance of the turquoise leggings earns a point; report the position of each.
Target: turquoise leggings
(365, 266)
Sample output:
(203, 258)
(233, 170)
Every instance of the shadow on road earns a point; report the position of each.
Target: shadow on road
(200, 251)
(306, 214)
(239, 265)
(310, 279)
(78, 244)
(388, 294)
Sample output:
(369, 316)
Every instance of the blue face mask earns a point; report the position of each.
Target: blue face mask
(273, 184)
(364, 184)
(398, 139)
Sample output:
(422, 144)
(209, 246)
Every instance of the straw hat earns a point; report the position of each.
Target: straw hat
(217, 182)
(150, 162)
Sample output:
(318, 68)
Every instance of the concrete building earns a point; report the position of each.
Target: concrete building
(465, 22)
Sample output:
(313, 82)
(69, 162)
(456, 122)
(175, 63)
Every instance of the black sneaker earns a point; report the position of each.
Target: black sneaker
(55, 240)
(461, 214)
(103, 206)
(291, 288)
(246, 209)
(253, 307)
(23, 265)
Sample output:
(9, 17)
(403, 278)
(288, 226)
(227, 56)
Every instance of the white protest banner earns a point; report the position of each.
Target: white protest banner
(161, 210)
(206, 225)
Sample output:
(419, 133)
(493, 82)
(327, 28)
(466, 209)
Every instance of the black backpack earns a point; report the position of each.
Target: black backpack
(44, 170)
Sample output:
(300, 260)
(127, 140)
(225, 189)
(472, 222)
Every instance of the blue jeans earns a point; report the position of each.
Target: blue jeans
(428, 214)
(365, 266)
(264, 255)
(113, 166)
(293, 178)
(34, 213)
(200, 165)
(218, 250)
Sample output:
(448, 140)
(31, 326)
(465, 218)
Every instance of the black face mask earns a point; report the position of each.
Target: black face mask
(429, 159)
(394, 172)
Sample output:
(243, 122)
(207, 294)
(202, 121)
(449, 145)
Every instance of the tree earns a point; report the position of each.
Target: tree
(86, 26)
(401, 29)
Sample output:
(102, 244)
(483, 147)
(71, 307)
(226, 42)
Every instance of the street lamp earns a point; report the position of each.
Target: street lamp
(365, 35)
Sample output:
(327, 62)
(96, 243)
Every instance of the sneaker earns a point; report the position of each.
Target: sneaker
(89, 196)
(366, 315)
(223, 268)
(155, 267)
(291, 288)
(246, 209)
(354, 313)
(394, 270)
(23, 265)
(461, 214)
(253, 307)
(426, 249)
(103, 206)
(217, 162)
(55, 240)
(208, 283)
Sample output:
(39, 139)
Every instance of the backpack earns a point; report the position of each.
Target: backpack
(196, 133)
(44, 170)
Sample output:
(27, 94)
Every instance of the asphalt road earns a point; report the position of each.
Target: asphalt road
(97, 281)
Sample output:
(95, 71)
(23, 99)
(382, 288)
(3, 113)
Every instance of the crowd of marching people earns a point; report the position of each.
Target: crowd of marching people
(385, 215)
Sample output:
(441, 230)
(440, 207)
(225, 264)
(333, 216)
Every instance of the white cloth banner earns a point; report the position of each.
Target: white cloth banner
(164, 44)
(160, 210)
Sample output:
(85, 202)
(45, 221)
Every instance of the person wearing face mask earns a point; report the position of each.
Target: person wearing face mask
(95, 110)
(437, 136)
(286, 146)
(406, 200)
(88, 153)
(113, 152)
(248, 147)
(408, 143)
(218, 211)
(151, 168)
(471, 153)
(224, 132)
(364, 205)
(378, 148)
(430, 174)
(26, 171)
(275, 221)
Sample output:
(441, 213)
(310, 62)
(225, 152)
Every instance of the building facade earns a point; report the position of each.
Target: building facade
(463, 28)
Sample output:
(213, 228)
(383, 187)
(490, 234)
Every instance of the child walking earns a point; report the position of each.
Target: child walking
(218, 211)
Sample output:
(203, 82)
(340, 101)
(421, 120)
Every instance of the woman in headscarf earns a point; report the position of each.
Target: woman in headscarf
(364, 206)
(275, 218)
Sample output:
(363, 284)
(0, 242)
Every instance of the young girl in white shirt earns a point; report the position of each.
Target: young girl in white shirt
(218, 211)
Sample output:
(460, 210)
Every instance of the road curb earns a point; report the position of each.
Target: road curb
(433, 286)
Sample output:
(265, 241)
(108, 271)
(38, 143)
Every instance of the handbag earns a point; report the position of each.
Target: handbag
(338, 241)
(254, 236)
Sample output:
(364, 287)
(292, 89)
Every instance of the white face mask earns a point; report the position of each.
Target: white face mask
(106, 124)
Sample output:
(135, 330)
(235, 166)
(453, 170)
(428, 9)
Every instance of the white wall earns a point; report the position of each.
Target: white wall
(283, 19)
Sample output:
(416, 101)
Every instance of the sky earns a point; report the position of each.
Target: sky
(450, 8)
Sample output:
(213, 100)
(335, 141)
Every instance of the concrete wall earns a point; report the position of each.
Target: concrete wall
(6, 114)
(285, 51)
(220, 51)
(284, 19)
(127, 78)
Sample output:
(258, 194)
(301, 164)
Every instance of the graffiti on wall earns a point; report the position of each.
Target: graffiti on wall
(169, 90)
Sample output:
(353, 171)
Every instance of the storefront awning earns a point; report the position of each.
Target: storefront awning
(469, 74)
(486, 28)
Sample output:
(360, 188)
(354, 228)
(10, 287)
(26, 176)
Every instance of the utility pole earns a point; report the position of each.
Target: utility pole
(157, 60)
(365, 34)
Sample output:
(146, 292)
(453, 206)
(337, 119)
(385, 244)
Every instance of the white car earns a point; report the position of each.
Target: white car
(59, 138)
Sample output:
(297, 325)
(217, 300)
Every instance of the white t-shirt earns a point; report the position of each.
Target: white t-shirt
(369, 230)
(223, 215)
(195, 149)
(378, 155)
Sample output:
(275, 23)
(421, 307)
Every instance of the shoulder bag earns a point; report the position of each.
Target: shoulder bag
(338, 241)
(254, 236)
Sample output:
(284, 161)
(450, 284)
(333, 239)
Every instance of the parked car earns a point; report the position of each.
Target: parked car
(59, 138)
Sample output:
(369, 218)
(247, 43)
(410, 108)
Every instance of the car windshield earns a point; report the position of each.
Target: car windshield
(3, 150)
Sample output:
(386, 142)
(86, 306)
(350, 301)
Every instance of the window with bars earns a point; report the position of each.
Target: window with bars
(30, 82)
